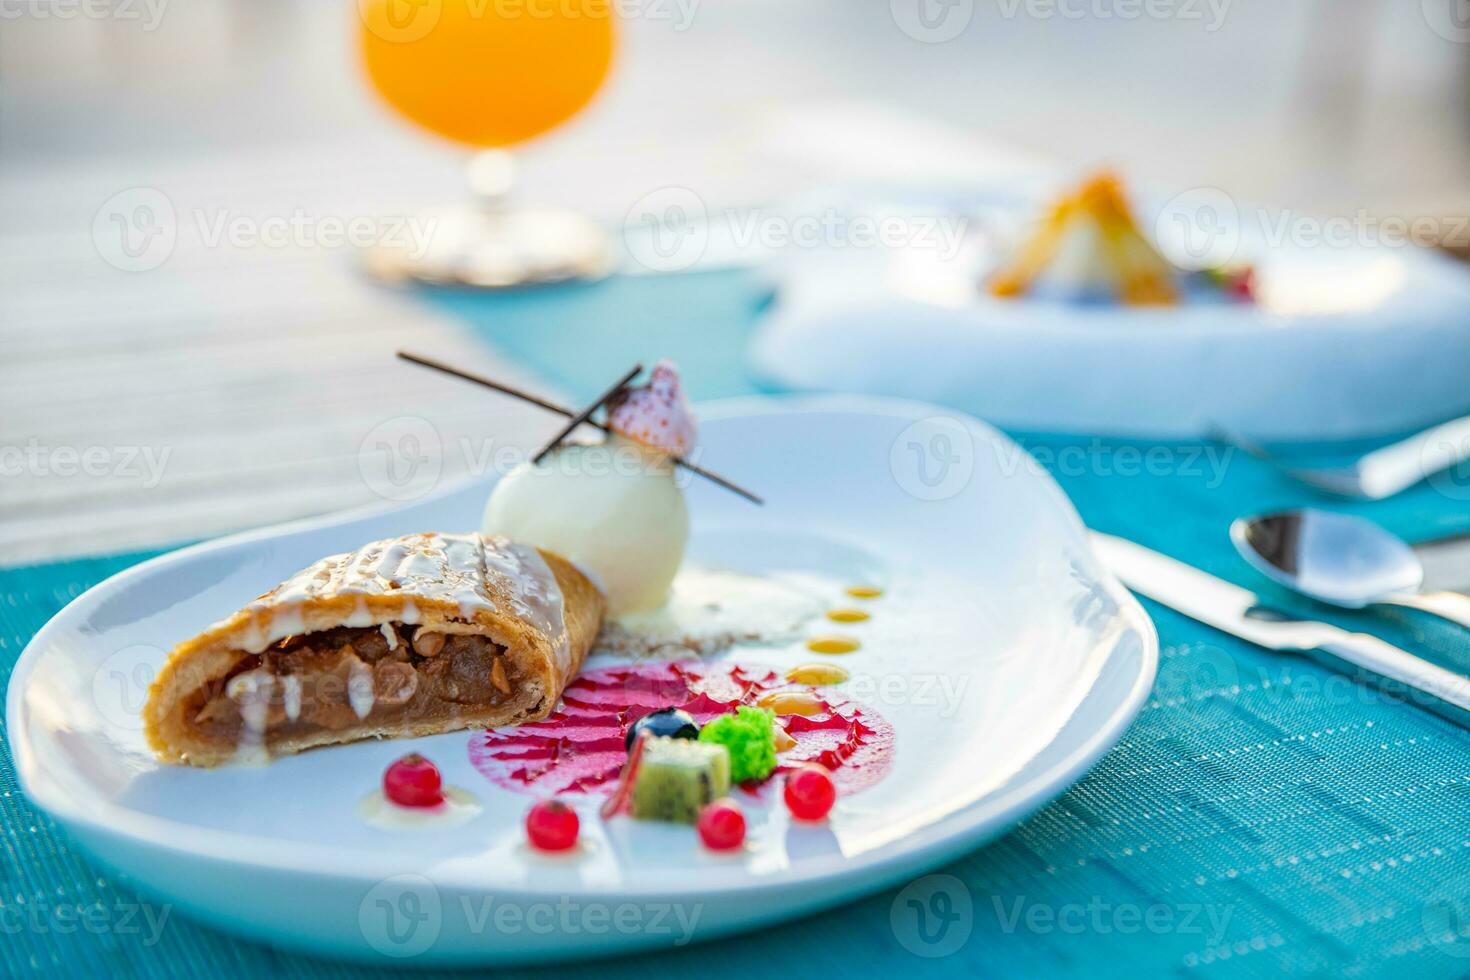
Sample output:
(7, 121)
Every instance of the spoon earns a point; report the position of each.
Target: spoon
(1341, 560)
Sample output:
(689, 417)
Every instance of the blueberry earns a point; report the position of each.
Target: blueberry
(670, 722)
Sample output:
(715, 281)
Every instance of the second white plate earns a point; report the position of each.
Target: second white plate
(1349, 340)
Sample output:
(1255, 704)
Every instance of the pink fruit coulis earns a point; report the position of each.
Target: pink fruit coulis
(579, 748)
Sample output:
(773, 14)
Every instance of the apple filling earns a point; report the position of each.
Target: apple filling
(349, 677)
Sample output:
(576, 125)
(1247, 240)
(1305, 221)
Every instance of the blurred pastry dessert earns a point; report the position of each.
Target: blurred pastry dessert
(1088, 248)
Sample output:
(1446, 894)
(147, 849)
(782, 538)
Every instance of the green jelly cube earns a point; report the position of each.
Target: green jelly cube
(750, 735)
(676, 777)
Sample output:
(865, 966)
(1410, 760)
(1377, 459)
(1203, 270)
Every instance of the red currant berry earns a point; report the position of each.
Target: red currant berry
(721, 825)
(809, 792)
(413, 781)
(1245, 285)
(551, 825)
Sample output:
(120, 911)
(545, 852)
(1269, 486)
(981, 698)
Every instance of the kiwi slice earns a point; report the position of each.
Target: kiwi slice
(676, 777)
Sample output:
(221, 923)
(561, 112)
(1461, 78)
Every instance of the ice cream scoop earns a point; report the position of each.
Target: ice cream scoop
(612, 508)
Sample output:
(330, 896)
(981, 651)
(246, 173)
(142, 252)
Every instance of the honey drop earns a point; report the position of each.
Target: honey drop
(832, 644)
(817, 675)
(848, 616)
(792, 702)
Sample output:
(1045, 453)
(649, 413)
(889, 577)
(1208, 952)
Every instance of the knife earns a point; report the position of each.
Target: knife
(1238, 611)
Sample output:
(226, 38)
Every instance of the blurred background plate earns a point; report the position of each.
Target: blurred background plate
(1354, 332)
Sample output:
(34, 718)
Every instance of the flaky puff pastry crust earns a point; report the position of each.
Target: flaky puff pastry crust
(536, 605)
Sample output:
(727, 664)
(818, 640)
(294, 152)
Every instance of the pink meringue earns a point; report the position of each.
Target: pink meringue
(655, 414)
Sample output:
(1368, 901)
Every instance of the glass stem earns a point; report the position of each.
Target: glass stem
(491, 174)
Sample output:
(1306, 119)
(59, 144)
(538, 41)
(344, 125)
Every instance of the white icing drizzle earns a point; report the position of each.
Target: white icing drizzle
(360, 689)
(457, 568)
(388, 634)
(425, 566)
(536, 595)
(237, 688)
(361, 616)
(251, 753)
(291, 696)
(254, 638)
(252, 692)
(286, 622)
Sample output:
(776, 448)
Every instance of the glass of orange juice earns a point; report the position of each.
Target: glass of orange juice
(489, 75)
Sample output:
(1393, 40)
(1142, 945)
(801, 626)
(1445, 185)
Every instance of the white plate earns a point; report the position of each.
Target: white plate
(991, 590)
(1350, 338)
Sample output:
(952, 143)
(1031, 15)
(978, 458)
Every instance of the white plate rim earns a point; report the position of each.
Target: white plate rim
(964, 829)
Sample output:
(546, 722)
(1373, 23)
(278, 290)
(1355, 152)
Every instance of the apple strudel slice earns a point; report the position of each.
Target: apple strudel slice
(410, 636)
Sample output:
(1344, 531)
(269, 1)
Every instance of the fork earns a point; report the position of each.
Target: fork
(1379, 474)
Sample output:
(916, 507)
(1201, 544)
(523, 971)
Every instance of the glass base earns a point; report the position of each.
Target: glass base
(497, 249)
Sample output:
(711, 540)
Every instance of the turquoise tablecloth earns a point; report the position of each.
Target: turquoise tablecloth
(1258, 817)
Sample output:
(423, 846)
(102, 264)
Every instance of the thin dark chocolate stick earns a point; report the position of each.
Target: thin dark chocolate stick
(586, 413)
(563, 410)
(480, 379)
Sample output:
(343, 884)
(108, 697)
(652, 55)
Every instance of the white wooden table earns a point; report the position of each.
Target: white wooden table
(240, 383)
